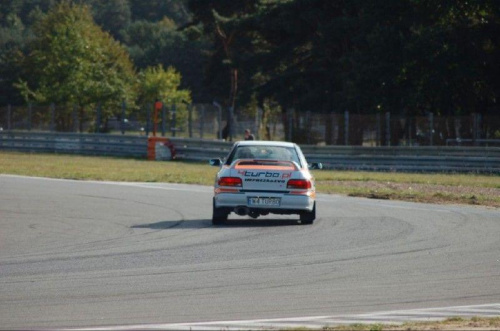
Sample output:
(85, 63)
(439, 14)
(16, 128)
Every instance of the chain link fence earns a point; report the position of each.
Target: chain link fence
(211, 121)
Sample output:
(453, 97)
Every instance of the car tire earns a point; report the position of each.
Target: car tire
(219, 215)
(308, 217)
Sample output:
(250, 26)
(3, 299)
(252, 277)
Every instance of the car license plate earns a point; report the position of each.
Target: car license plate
(254, 201)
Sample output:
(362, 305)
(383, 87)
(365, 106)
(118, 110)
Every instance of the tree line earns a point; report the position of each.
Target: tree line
(406, 57)
(55, 52)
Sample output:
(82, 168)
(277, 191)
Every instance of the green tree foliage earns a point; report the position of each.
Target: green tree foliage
(12, 37)
(223, 76)
(16, 17)
(459, 73)
(114, 16)
(301, 51)
(402, 56)
(157, 10)
(420, 56)
(72, 61)
(124, 20)
(25, 9)
(156, 83)
(151, 43)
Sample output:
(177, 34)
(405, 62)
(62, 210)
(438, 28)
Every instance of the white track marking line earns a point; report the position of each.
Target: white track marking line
(430, 310)
(318, 322)
(168, 186)
(482, 311)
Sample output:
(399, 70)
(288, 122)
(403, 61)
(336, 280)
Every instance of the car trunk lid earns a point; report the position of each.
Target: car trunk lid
(264, 175)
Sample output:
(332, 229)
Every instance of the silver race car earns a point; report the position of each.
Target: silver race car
(262, 177)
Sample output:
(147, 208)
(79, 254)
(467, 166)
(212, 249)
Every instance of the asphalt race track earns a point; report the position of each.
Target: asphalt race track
(83, 254)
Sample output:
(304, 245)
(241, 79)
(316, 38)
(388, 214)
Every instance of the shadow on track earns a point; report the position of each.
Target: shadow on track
(255, 223)
(207, 223)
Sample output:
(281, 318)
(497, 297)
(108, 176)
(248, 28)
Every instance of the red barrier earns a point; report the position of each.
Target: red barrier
(160, 148)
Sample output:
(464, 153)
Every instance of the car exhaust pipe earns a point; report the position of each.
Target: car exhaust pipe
(242, 211)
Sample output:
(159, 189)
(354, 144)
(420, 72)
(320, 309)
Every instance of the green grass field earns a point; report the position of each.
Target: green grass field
(435, 188)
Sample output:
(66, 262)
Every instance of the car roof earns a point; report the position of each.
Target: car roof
(265, 143)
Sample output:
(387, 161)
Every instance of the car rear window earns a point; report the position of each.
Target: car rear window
(279, 153)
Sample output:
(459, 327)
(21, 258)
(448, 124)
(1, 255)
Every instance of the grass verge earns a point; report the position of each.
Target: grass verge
(434, 188)
(452, 323)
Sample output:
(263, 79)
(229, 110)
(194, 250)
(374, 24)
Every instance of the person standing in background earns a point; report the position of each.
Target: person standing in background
(249, 135)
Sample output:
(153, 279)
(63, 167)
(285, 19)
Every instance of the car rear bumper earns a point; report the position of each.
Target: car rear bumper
(288, 201)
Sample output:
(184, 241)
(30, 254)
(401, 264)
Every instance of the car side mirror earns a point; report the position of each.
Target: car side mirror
(316, 166)
(215, 162)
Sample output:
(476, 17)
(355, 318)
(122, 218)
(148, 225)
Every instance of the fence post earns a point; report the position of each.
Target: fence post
(202, 121)
(174, 119)
(124, 108)
(256, 124)
(190, 120)
(308, 127)
(333, 123)
(479, 122)
(230, 120)
(219, 119)
(474, 128)
(259, 121)
(163, 119)
(98, 118)
(99, 114)
(74, 116)
(29, 116)
(379, 131)
(9, 117)
(409, 132)
(52, 116)
(346, 127)
(148, 120)
(388, 129)
(431, 129)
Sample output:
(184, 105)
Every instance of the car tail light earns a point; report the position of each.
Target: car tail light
(229, 181)
(299, 184)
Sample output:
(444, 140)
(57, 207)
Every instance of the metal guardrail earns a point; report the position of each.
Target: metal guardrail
(472, 142)
(74, 143)
(200, 149)
(411, 159)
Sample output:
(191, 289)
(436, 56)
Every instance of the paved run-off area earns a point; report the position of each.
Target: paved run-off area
(84, 254)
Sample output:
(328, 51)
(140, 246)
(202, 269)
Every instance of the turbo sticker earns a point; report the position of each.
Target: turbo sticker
(266, 174)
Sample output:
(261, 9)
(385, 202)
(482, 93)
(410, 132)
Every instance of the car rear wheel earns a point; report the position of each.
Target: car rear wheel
(308, 217)
(219, 215)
